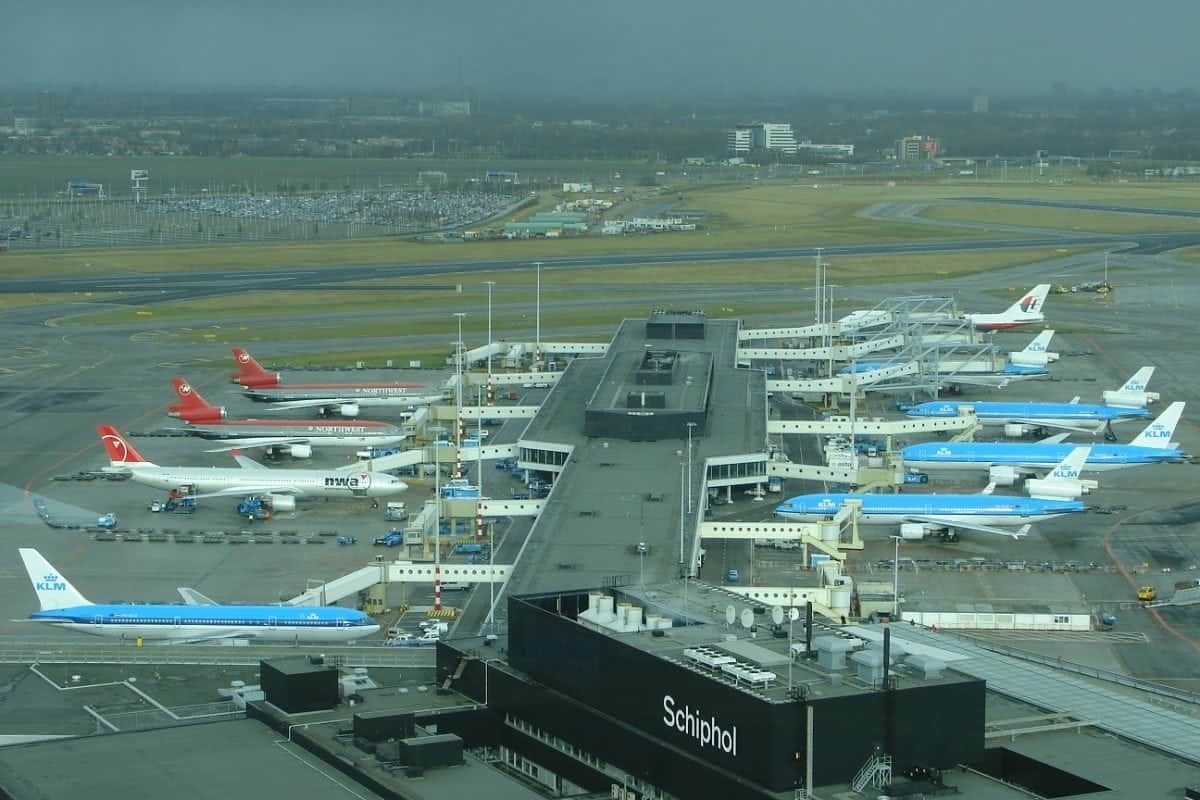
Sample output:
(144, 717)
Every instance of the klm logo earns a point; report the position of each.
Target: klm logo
(1157, 432)
(1065, 472)
(1135, 387)
(50, 583)
(943, 451)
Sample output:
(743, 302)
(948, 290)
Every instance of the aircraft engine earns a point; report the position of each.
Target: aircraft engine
(348, 409)
(300, 450)
(1027, 359)
(282, 502)
(202, 416)
(1003, 476)
(1015, 430)
(1058, 488)
(910, 531)
(1129, 399)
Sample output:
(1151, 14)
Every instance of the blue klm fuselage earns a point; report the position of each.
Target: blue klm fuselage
(197, 622)
(982, 455)
(1066, 414)
(981, 509)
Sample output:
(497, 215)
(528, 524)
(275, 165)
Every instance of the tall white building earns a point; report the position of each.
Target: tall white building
(761, 136)
(738, 142)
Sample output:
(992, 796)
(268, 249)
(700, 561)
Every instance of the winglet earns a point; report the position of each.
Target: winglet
(991, 487)
(53, 590)
(1021, 531)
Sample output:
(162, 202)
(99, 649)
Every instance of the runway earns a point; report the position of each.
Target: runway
(160, 287)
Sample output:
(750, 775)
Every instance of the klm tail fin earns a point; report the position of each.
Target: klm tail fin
(1041, 343)
(1139, 381)
(1069, 468)
(53, 590)
(1158, 433)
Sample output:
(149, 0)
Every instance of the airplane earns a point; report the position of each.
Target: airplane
(921, 515)
(1020, 419)
(1023, 312)
(63, 606)
(329, 398)
(965, 372)
(295, 437)
(1006, 462)
(282, 486)
(1035, 353)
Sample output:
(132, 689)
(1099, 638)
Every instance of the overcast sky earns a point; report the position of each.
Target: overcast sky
(605, 47)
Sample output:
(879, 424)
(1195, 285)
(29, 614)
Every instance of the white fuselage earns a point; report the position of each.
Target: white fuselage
(300, 482)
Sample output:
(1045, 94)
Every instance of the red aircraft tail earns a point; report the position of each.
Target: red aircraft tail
(120, 451)
(250, 373)
(191, 406)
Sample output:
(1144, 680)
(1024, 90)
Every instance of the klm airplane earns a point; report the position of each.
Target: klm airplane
(921, 515)
(200, 620)
(1122, 405)
(1019, 419)
(1006, 460)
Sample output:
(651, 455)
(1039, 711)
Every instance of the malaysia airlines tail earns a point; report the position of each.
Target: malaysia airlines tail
(1158, 433)
(1026, 310)
(53, 590)
(191, 406)
(250, 373)
(120, 452)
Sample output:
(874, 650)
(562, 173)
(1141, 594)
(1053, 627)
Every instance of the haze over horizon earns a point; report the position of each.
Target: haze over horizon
(537, 46)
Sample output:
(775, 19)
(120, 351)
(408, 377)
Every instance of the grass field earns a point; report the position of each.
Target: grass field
(1061, 218)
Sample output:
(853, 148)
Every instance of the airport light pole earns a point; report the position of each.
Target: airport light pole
(682, 478)
(537, 331)
(459, 394)
(690, 426)
(489, 284)
(437, 519)
(895, 584)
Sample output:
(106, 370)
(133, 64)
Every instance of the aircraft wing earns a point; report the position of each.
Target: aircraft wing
(1057, 438)
(246, 491)
(990, 381)
(970, 526)
(284, 405)
(1070, 428)
(194, 598)
(245, 461)
(237, 444)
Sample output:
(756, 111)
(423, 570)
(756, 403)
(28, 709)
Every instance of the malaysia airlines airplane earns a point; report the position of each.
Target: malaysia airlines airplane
(282, 486)
(295, 437)
(1023, 312)
(921, 515)
(63, 606)
(1007, 461)
(344, 399)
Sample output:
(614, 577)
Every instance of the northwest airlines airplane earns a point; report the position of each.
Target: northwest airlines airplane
(296, 437)
(334, 398)
(63, 606)
(282, 486)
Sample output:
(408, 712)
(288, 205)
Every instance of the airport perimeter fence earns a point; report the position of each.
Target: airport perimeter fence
(207, 655)
(76, 224)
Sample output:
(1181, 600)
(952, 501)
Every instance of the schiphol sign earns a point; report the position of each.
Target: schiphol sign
(705, 731)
